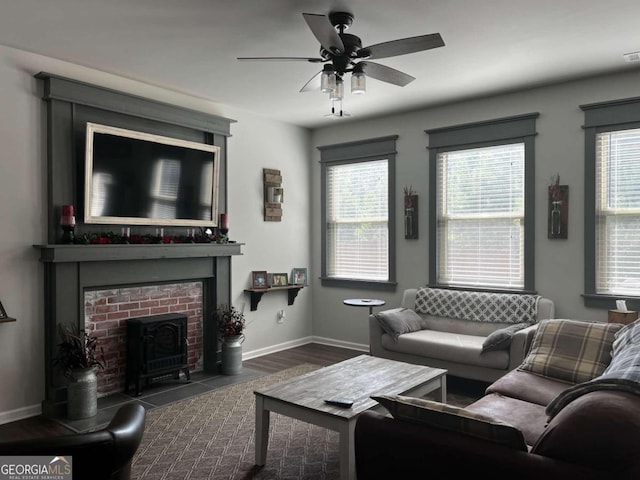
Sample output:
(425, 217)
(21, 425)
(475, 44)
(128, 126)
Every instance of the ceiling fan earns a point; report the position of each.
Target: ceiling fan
(343, 53)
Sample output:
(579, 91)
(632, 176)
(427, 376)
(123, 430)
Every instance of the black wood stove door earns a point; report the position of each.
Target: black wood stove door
(156, 347)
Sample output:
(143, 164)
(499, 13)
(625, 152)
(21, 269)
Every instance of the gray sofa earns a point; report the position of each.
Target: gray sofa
(456, 344)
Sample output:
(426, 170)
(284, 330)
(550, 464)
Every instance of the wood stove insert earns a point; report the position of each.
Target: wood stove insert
(156, 348)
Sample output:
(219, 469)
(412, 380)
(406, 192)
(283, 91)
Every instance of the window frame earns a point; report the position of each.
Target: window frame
(383, 148)
(601, 117)
(501, 131)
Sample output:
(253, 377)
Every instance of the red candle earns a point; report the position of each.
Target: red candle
(224, 220)
(67, 216)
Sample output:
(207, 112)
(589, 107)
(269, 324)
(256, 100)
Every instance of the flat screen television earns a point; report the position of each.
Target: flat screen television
(136, 178)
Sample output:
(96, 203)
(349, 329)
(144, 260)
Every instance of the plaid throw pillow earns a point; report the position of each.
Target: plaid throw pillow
(448, 417)
(571, 350)
(627, 335)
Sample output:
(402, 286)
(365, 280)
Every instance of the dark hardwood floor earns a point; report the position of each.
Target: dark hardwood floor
(311, 353)
(40, 426)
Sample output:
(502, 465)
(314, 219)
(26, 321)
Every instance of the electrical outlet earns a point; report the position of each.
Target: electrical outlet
(281, 316)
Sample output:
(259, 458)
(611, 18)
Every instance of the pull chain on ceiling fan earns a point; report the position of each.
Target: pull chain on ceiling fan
(343, 53)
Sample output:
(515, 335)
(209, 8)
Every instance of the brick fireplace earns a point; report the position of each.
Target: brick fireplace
(107, 311)
(106, 284)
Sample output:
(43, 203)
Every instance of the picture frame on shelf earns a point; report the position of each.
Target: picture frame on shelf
(3, 313)
(299, 276)
(259, 279)
(279, 280)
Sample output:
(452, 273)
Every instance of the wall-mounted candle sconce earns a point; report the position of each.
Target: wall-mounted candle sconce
(558, 210)
(410, 214)
(273, 195)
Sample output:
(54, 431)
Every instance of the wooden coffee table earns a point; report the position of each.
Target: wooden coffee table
(357, 379)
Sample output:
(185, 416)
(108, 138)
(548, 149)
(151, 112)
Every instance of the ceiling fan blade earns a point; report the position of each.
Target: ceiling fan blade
(404, 46)
(386, 74)
(283, 59)
(313, 83)
(324, 32)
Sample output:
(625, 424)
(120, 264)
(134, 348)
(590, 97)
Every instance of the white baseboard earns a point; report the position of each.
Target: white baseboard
(276, 348)
(304, 341)
(332, 342)
(20, 414)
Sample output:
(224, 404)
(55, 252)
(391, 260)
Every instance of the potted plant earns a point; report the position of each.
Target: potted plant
(231, 325)
(79, 359)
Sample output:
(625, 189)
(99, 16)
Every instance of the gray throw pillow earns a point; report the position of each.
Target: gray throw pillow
(397, 321)
(501, 339)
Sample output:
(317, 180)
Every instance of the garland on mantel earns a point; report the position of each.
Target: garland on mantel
(110, 238)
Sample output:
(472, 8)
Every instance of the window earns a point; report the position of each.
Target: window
(357, 213)
(481, 195)
(618, 212)
(480, 217)
(612, 234)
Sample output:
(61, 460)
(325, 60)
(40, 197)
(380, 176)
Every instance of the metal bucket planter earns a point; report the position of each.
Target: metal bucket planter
(82, 394)
(232, 354)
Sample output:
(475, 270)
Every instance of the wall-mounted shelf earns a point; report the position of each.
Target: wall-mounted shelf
(7, 319)
(256, 294)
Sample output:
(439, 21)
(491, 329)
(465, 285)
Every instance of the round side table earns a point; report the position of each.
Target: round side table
(364, 302)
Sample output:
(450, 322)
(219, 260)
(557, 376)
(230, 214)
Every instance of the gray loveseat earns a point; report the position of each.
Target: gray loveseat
(456, 344)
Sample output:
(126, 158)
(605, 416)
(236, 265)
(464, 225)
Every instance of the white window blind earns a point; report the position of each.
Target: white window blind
(357, 220)
(618, 212)
(480, 217)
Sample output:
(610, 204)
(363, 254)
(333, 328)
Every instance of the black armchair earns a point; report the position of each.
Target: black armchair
(101, 455)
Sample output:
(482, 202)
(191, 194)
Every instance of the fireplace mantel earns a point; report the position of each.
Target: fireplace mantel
(72, 269)
(100, 253)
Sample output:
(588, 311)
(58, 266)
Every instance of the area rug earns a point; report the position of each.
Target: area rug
(211, 436)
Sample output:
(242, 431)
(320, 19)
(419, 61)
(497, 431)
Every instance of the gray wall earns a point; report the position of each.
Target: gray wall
(559, 148)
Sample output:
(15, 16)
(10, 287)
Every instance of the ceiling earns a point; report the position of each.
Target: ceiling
(191, 46)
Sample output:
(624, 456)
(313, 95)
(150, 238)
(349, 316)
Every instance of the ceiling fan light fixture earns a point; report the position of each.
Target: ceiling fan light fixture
(358, 81)
(338, 92)
(328, 79)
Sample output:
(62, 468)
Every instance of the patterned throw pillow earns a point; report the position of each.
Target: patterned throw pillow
(454, 419)
(629, 334)
(397, 321)
(571, 350)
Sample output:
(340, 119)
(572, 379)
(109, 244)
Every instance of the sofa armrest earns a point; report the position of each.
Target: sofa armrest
(546, 309)
(389, 448)
(520, 345)
(100, 455)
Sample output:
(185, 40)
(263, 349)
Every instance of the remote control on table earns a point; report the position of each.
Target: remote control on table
(340, 402)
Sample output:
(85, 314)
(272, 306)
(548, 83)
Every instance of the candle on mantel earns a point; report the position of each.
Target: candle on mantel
(224, 220)
(67, 219)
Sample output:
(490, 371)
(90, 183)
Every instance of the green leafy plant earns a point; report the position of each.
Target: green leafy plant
(77, 350)
(231, 321)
